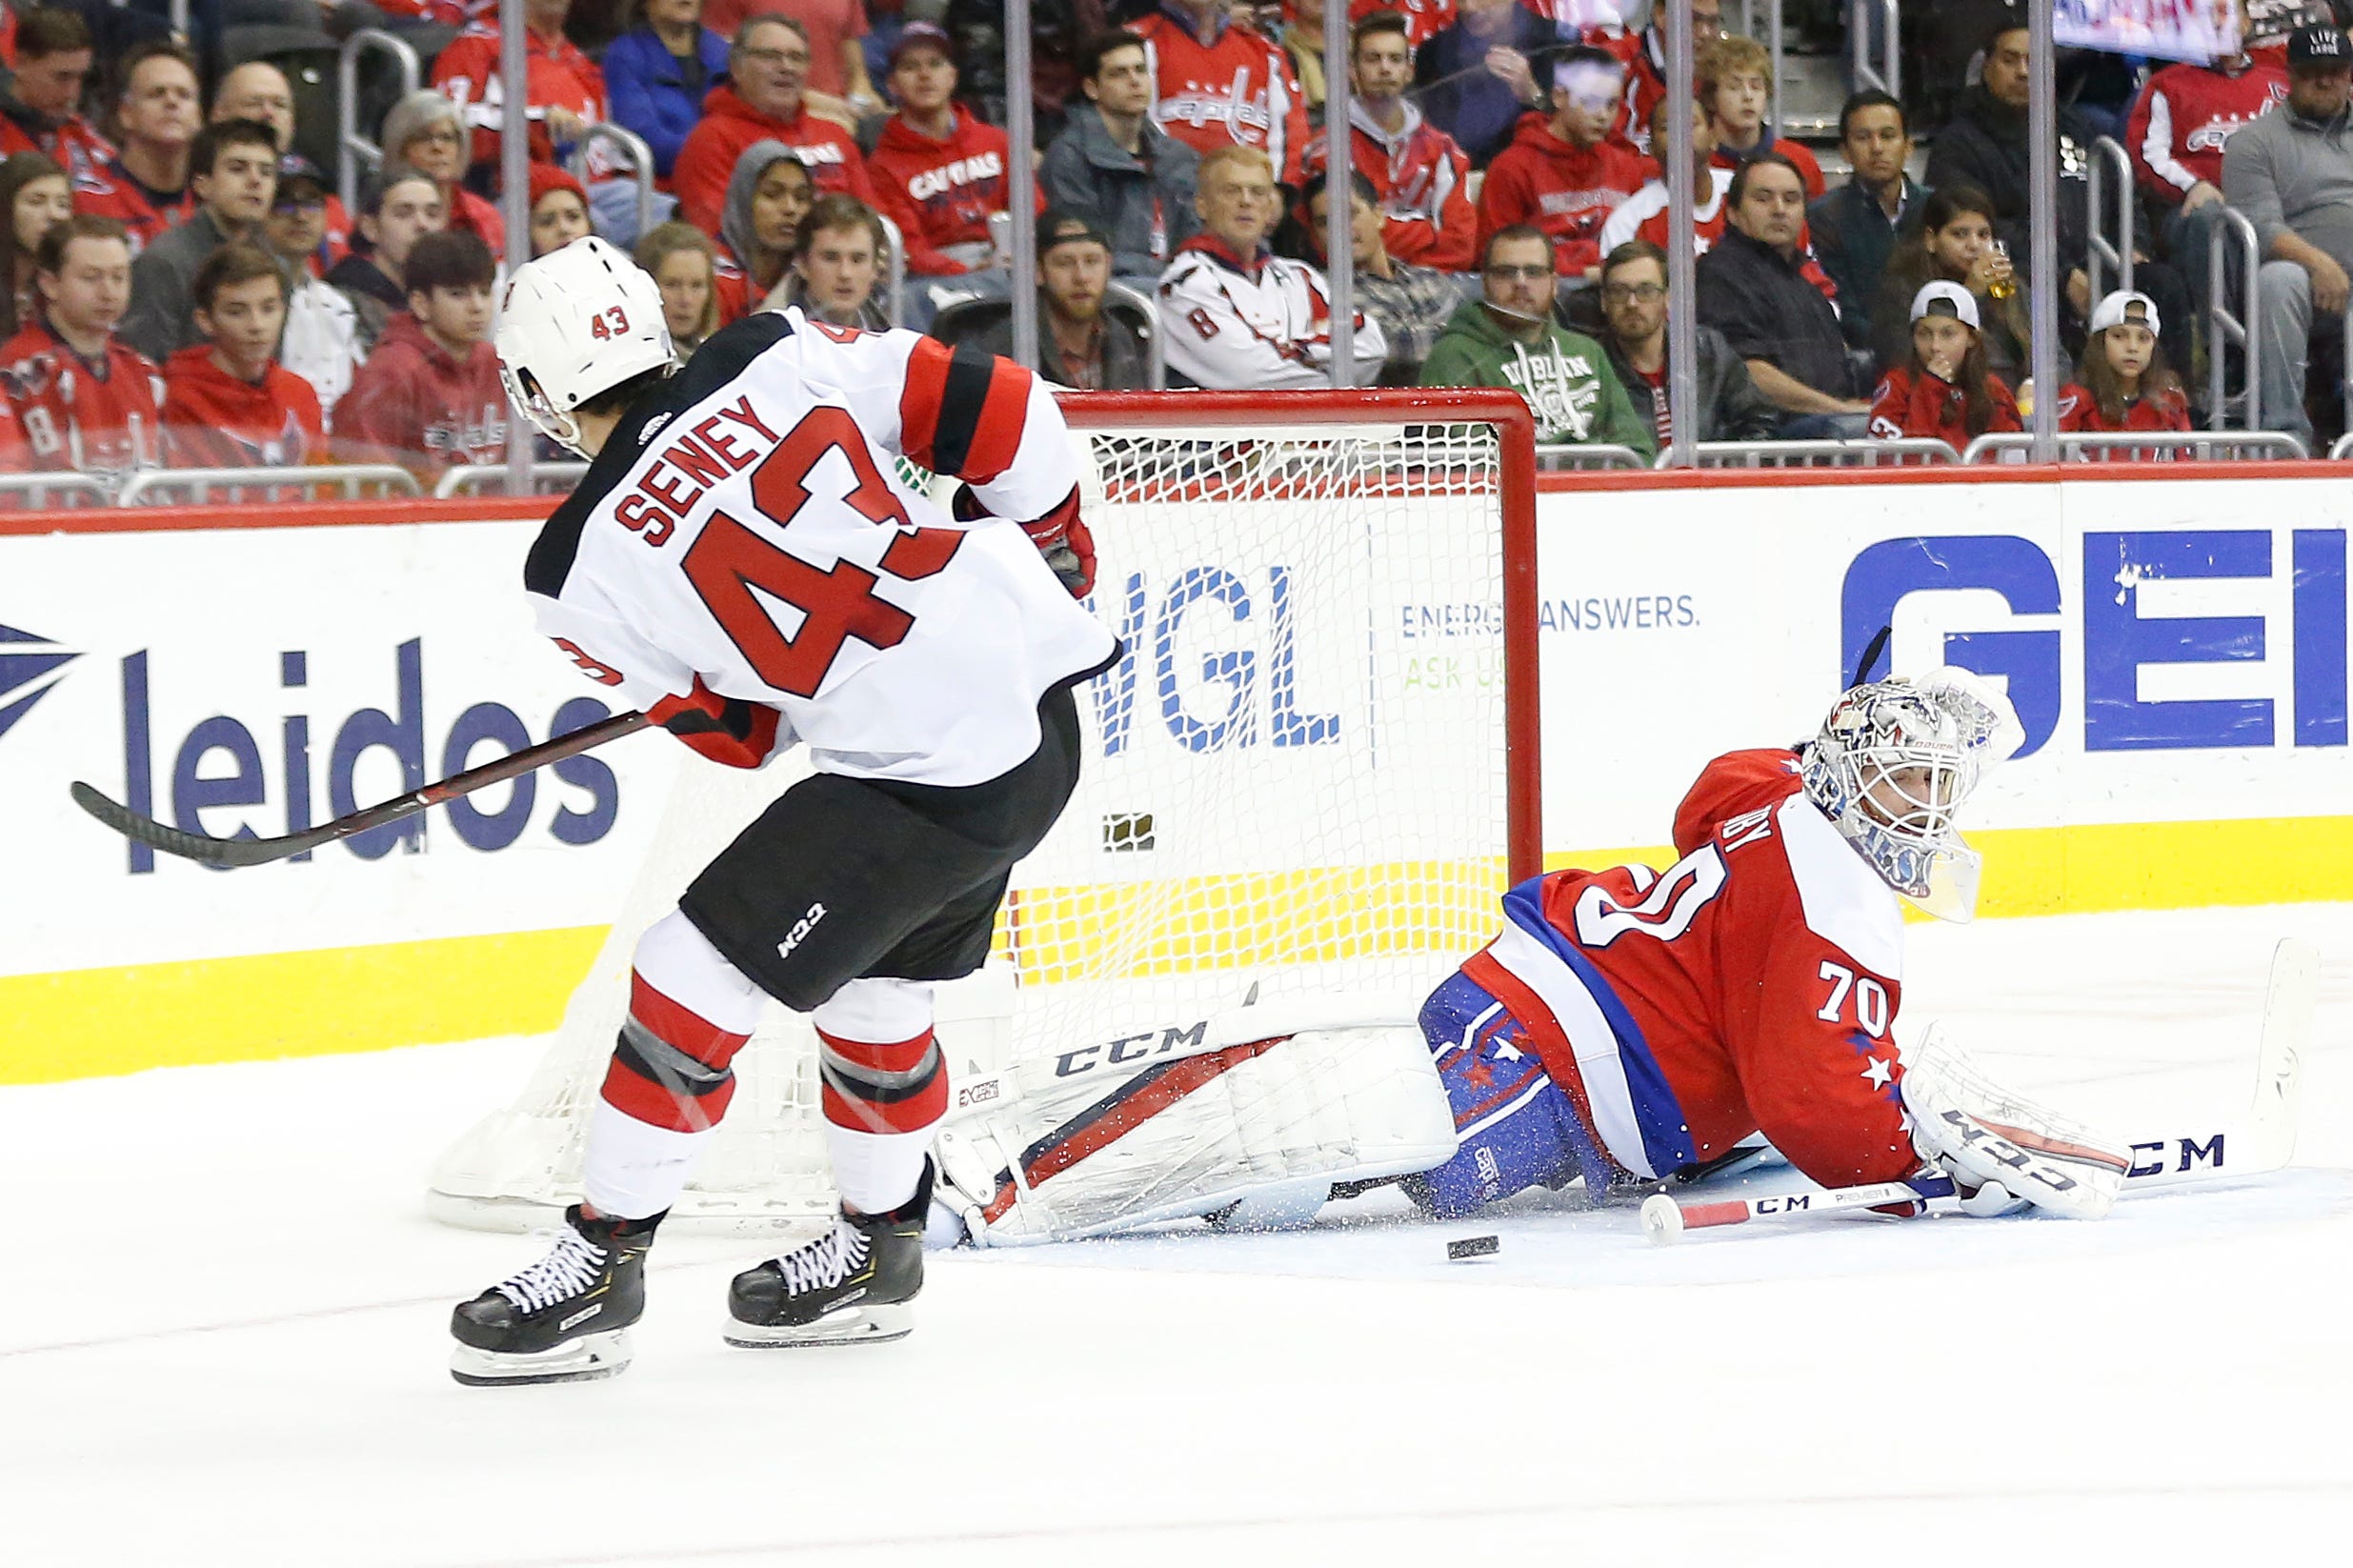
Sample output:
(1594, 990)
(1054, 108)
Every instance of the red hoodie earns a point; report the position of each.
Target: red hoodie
(1421, 178)
(213, 420)
(1914, 404)
(1567, 191)
(939, 194)
(730, 126)
(414, 404)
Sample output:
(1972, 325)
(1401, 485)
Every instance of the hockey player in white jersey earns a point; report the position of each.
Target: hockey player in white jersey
(742, 562)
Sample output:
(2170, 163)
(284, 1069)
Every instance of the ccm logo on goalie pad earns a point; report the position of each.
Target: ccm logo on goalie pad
(1128, 1048)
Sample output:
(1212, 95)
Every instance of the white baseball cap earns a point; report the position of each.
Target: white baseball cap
(1942, 298)
(2122, 306)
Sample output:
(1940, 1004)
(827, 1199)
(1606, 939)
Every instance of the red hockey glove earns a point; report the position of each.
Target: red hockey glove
(1060, 536)
(728, 730)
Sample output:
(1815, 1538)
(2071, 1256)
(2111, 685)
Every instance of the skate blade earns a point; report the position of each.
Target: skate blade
(858, 1325)
(584, 1360)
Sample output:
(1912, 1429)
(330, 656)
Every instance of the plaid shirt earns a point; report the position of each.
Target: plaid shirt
(1412, 306)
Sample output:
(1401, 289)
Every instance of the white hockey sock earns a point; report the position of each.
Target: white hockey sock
(669, 1081)
(884, 1087)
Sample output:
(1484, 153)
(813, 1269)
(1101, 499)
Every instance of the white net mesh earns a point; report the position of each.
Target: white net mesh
(1295, 781)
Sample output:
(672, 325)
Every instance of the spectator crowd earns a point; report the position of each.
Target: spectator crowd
(186, 288)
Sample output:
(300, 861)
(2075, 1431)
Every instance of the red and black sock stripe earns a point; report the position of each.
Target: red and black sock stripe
(670, 1066)
(900, 1087)
(963, 410)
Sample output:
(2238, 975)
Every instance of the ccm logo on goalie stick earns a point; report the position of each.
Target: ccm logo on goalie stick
(2150, 1159)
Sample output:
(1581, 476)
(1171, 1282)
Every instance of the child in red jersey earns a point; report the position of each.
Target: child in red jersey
(88, 402)
(227, 403)
(2123, 383)
(1946, 393)
(429, 396)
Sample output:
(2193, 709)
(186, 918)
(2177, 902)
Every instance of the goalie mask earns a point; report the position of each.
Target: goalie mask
(574, 322)
(1891, 768)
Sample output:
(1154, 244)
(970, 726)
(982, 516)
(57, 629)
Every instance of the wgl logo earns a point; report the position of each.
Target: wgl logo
(1255, 683)
(2119, 637)
(27, 661)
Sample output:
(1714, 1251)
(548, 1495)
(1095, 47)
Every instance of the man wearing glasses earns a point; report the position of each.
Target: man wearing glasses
(1507, 337)
(1633, 303)
(760, 102)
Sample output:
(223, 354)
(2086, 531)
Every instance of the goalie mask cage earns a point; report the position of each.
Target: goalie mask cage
(1314, 769)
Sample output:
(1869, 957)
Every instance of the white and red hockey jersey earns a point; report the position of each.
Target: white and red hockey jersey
(1266, 322)
(1643, 215)
(744, 538)
(1236, 88)
(1423, 179)
(2185, 116)
(1751, 988)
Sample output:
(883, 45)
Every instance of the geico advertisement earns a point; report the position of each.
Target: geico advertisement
(257, 682)
(2176, 649)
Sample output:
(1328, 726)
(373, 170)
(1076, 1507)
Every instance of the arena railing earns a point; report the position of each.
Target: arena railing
(1888, 76)
(894, 271)
(1865, 454)
(1577, 456)
(2108, 150)
(2160, 446)
(631, 151)
(351, 148)
(162, 487)
(1155, 351)
(35, 488)
(478, 478)
(2343, 448)
(2225, 328)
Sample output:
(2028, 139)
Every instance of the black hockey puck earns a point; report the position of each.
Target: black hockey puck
(1473, 1246)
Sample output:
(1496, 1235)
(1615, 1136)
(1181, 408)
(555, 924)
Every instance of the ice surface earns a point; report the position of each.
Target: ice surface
(222, 1341)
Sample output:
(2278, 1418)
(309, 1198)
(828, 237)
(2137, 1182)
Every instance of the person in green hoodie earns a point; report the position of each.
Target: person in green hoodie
(1508, 339)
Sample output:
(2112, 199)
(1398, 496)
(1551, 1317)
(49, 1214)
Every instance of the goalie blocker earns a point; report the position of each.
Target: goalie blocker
(1625, 1025)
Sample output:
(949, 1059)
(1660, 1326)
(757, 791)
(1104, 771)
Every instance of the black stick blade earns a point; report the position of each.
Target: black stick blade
(191, 846)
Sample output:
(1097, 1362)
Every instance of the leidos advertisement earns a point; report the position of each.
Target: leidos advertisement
(257, 682)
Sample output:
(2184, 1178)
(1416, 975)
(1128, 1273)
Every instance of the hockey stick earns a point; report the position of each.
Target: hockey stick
(258, 851)
(2264, 1140)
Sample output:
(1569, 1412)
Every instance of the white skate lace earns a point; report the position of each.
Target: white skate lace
(571, 1268)
(825, 1262)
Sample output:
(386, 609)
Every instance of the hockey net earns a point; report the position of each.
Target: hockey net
(1312, 770)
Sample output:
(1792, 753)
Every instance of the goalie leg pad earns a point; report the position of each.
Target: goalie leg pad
(1058, 1148)
(1514, 1127)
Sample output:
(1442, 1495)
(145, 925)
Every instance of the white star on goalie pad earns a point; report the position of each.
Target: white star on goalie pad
(1506, 1051)
(1879, 1073)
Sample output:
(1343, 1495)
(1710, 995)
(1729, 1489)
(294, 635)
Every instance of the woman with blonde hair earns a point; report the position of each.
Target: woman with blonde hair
(679, 259)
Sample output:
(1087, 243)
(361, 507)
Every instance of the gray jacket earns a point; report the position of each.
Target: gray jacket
(1085, 169)
(162, 318)
(1731, 408)
(2291, 174)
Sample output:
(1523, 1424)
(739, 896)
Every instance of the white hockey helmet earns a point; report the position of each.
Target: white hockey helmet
(1891, 768)
(577, 322)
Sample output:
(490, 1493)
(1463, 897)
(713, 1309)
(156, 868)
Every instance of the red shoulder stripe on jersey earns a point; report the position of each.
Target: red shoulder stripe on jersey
(989, 433)
(919, 401)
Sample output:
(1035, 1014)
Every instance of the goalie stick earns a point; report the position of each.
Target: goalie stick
(2262, 1142)
(208, 851)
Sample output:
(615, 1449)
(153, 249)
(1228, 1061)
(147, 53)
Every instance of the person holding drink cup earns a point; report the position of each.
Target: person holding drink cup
(1956, 245)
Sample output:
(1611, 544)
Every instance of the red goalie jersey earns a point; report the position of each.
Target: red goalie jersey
(1752, 988)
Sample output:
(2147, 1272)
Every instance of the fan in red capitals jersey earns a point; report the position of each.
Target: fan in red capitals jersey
(1626, 1025)
(743, 562)
(1219, 84)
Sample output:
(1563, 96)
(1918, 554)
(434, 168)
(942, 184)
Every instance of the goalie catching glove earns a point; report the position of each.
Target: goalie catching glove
(2003, 1152)
(1060, 536)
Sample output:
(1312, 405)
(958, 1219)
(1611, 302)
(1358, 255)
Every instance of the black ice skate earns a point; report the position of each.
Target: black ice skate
(561, 1319)
(853, 1285)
